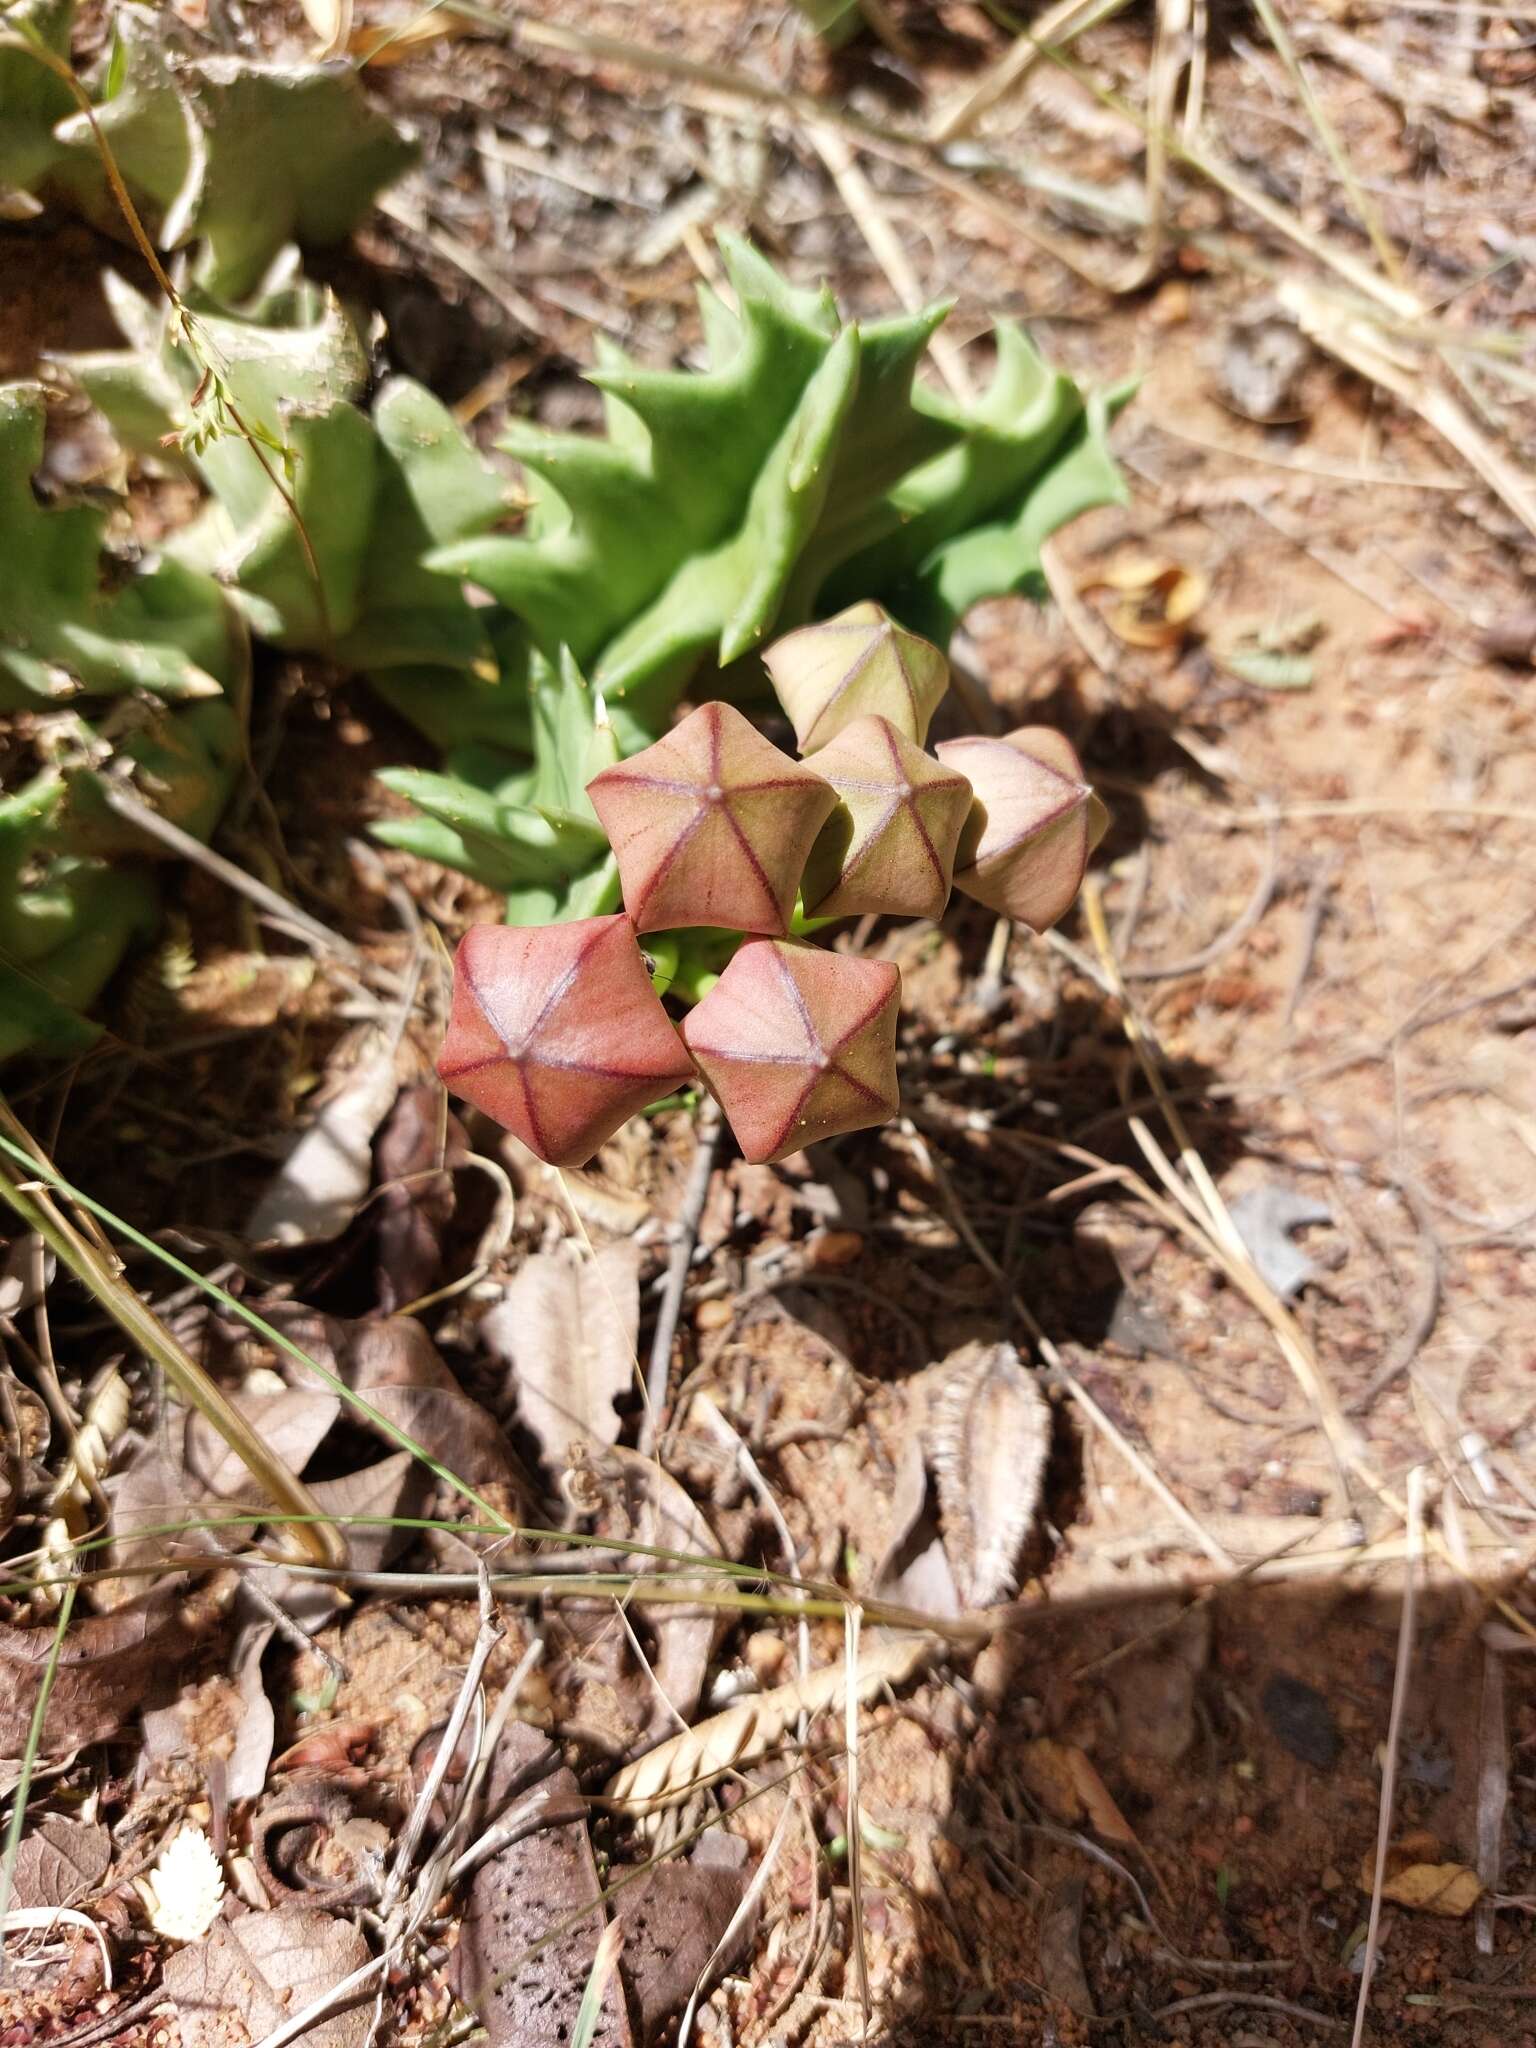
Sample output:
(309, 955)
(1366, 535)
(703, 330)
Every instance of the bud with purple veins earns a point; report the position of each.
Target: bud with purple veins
(557, 1033)
(1032, 826)
(889, 847)
(797, 1044)
(711, 825)
(854, 665)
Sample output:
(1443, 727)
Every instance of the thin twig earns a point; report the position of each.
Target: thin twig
(1415, 1493)
(707, 1134)
(119, 798)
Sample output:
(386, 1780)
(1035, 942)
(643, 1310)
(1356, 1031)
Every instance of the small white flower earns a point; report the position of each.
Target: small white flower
(186, 1887)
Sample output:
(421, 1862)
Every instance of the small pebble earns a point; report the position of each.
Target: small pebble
(1301, 1719)
(712, 1315)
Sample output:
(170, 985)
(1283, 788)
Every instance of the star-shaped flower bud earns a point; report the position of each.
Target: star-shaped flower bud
(711, 825)
(1032, 825)
(860, 662)
(890, 844)
(557, 1033)
(797, 1044)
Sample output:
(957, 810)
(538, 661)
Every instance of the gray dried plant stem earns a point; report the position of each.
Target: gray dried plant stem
(313, 1539)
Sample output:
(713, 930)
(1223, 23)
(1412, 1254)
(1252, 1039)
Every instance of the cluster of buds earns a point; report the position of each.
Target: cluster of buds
(558, 1033)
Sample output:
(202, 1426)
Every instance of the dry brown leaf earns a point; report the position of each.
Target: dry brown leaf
(1448, 1890)
(110, 1666)
(650, 1507)
(394, 1365)
(987, 1437)
(293, 1424)
(318, 1189)
(672, 1919)
(746, 1731)
(1155, 601)
(420, 1142)
(567, 1327)
(60, 1862)
(246, 1977)
(1069, 1788)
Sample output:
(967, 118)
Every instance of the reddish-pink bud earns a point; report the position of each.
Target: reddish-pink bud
(1032, 826)
(557, 1033)
(797, 1044)
(858, 664)
(711, 825)
(890, 844)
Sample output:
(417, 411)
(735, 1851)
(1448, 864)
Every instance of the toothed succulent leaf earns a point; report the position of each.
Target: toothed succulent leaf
(860, 664)
(241, 156)
(66, 920)
(34, 99)
(531, 832)
(797, 1044)
(557, 1033)
(889, 847)
(1032, 826)
(1031, 454)
(374, 498)
(61, 630)
(711, 825)
(674, 537)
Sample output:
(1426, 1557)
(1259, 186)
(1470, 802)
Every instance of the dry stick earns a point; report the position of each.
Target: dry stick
(1492, 1790)
(1058, 1365)
(121, 799)
(1415, 1511)
(658, 1373)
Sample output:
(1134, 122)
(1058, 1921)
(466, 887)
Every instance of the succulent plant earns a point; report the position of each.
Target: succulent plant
(860, 664)
(889, 847)
(1032, 825)
(373, 496)
(797, 1044)
(557, 1033)
(62, 632)
(234, 155)
(711, 825)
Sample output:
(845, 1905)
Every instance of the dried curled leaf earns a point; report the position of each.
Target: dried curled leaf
(987, 1439)
(746, 1731)
(567, 1328)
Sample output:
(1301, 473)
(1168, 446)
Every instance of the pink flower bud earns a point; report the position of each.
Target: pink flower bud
(1032, 826)
(711, 825)
(557, 1033)
(890, 844)
(857, 664)
(797, 1044)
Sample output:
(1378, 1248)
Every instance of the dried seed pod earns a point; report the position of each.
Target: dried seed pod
(557, 1033)
(857, 664)
(1032, 826)
(711, 825)
(890, 844)
(797, 1044)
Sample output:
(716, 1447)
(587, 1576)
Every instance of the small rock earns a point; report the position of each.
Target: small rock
(1301, 1719)
(766, 1656)
(712, 1315)
(1331, 1879)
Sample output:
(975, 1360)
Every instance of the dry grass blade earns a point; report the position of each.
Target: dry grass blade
(1058, 25)
(854, 1822)
(1363, 348)
(745, 1732)
(317, 1539)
